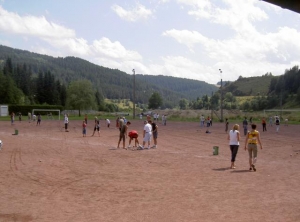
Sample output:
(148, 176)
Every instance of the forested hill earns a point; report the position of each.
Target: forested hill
(190, 88)
(112, 83)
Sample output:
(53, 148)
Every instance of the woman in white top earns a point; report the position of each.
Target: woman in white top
(234, 142)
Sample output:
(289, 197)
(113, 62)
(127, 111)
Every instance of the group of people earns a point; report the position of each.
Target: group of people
(263, 122)
(150, 131)
(204, 120)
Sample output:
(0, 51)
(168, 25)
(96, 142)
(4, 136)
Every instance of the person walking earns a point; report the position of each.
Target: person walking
(245, 126)
(123, 134)
(252, 139)
(234, 143)
(96, 126)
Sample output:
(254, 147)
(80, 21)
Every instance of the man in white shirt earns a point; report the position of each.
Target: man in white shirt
(147, 134)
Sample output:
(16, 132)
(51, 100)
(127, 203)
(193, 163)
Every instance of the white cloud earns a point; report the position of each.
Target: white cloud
(137, 13)
(114, 50)
(30, 25)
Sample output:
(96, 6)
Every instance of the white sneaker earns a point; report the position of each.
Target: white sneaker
(129, 147)
(141, 147)
(154, 146)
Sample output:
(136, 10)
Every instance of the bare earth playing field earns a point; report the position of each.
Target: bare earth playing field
(47, 174)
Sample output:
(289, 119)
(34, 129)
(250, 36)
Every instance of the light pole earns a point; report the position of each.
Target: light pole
(133, 93)
(221, 96)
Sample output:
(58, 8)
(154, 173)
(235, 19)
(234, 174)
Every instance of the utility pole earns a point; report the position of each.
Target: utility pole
(133, 93)
(221, 89)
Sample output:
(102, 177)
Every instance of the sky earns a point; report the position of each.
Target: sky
(205, 40)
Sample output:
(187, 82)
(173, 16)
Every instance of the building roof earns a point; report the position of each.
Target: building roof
(293, 5)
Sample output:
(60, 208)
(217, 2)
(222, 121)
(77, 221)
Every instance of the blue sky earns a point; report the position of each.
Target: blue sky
(182, 38)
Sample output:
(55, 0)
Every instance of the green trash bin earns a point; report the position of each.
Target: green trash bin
(16, 132)
(215, 150)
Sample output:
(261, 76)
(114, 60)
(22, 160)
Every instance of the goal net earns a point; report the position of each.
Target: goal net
(47, 113)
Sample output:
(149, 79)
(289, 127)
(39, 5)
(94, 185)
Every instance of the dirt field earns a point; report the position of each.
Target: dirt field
(47, 174)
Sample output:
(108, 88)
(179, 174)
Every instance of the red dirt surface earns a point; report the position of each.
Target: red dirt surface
(51, 175)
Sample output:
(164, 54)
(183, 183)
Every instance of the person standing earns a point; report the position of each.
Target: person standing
(84, 128)
(29, 117)
(226, 125)
(66, 122)
(96, 126)
(234, 143)
(252, 139)
(154, 133)
(123, 134)
(208, 122)
(277, 123)
(39, 119)
(202, 119)
(85, 118)
(12, 118)
(264, 124)
(271, 121)
(107, 123)
(147, 134)
(121, 123)
(245, 126)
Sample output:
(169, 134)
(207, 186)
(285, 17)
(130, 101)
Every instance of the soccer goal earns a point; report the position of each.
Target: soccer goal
(46, 112)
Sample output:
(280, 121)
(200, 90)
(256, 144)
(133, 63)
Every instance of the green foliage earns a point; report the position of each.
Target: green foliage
(183, 104)
(155, 101)
(9, 92)
(80, 95)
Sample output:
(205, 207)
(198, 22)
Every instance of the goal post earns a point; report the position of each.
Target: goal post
(46, 111)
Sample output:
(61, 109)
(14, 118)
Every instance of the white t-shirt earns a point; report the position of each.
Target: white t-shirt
(148, 128)
(233, 138)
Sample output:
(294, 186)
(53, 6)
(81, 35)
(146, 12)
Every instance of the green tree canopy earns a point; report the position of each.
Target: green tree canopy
(81, 95)
(155, 101)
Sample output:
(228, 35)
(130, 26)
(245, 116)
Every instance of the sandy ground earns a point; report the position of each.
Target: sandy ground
(47, 174)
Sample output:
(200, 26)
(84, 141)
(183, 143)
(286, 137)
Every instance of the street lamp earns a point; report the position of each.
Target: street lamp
(221, 96)
(133, 93)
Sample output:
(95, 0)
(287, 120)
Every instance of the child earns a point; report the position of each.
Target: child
(84, 128)
(133, 135)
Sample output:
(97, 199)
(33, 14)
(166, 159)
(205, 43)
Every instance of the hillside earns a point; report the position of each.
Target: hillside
(251, 86)
(112, 83)
(190, 88)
